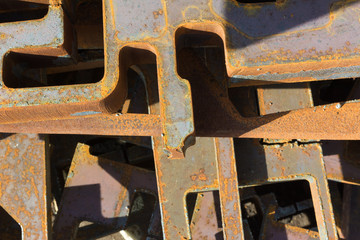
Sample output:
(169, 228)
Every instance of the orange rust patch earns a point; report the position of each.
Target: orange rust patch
(158, 13)
(199, 176)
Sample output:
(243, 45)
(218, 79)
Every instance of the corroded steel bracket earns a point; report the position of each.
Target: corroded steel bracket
(310, 50)
(243, 28)
(52, 36)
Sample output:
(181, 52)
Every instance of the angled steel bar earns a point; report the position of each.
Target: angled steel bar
(293, 161)
(100, 191)
(341, 124)
(24, 192)
(152, 30)
(92, 124)
(341, 121)
(206, 174)
(228, 189)
(175, 180)
(204, 158)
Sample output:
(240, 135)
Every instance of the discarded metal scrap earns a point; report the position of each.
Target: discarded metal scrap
(201, 119)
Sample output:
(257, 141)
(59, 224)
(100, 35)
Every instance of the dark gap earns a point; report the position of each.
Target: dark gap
(141, 212)
(9, 228)
(140, 156)
(76, 77)
(245, 100)
(190, 204)
(252, 213)
(122, 150)
(207, 69)
(326, 92)
(109, 148)
(352, 153)
(26, 71)
(256, 1)
(292, 200)
(136, 101)
(286, 192)
(293, 203)
(138, 86)
(201, 61)
(15, 11)
(208, 47)
(89, 24)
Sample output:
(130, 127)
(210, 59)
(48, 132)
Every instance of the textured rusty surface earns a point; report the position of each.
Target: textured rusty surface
(285, 163)
(247, 56)
(92, 124)
(24, 191)
(228, 189)
(51, 37)
(308, 158)
(342, 124)
(201, 176)
(192, 120)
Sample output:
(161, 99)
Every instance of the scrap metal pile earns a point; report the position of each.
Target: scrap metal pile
(186, 119)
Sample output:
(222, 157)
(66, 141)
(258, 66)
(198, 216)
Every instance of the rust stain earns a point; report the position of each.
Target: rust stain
(158, 13)
(201, 176)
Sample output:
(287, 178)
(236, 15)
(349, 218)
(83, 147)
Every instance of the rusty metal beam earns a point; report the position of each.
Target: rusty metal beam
(341, 119)
(93, 124)
(52, 36)
(308, 60)
(24, 192)
(341, 124)
(259, 48)
(247, 56)
(228, 189)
